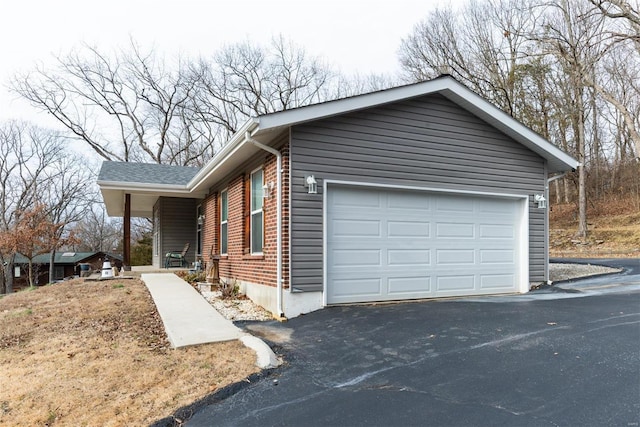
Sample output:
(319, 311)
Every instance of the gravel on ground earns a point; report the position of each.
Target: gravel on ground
(559, 272)
(242, 308)
(238, 308)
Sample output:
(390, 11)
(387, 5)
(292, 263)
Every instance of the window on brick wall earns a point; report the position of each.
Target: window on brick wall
(224, 222)
(199, 226)
(257, 225)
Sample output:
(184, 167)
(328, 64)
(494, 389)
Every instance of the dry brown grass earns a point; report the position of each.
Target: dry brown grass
(614, 229)
(95, 353)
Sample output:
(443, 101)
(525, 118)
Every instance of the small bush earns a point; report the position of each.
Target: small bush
(192, 278)
(229, 290)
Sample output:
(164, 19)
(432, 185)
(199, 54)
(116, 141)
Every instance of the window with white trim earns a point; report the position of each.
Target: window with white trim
(199, 226)
(224, 222)
(257, 224)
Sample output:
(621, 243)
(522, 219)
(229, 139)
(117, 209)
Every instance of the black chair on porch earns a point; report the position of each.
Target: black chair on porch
(175, 257)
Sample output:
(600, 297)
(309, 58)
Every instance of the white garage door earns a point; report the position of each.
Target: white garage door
(390, 245)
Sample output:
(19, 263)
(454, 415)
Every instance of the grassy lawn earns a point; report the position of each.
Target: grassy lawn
(95, 353)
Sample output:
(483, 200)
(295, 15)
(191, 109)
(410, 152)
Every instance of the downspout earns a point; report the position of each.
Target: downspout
(278, 220)
(546, 195)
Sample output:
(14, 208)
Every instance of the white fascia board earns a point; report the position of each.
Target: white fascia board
(169, 190)
(354, 103)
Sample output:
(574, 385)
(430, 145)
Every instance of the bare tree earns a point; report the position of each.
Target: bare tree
(67, 195)
(97, 232)
(248, 79)
(27, 154)
(126, 107)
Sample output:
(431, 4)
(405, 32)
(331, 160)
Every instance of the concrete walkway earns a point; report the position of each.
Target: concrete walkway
(190, 320)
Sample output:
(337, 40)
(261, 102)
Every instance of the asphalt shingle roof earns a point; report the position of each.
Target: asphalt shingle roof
(146, 173)
(61, 258)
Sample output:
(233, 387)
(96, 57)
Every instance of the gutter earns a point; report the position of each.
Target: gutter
(278, 155)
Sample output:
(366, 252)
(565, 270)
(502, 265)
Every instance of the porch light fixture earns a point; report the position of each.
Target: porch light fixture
(201, 220)
(311, 184)
(267, 189)
(540, 200)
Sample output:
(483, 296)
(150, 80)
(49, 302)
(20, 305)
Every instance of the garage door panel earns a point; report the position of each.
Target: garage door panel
(455, 283)
(357, 258)
(497, 231)
(405, 201)
(405, 245)
(356, 228)
(351, 198)
(497, 256)
(450, 205)
(496, 281)
(495, 206)
(451, 230)
(455, 256)
(410, 229)
(408, 286)
(408, 257)
(347, 289)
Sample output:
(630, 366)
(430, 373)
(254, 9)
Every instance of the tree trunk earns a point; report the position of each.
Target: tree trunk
(31, 273)
(582, 189)
(52, 257)
(9, 274)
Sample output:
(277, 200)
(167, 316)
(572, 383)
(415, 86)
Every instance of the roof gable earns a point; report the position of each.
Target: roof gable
(445, 85)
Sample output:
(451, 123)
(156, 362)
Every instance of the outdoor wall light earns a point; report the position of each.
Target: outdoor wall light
(267, 189)
(201, 219)
(311, 184)
(540, 200)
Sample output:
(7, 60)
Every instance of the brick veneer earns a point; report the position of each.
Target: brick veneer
(258, 269)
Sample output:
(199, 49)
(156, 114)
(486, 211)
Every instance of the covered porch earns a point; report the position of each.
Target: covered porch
(158, 193)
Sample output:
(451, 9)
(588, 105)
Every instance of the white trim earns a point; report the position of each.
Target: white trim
(325, 187)
(428, 189)
(524, 247)
(226, 221)
(252, 212)
(523, 267)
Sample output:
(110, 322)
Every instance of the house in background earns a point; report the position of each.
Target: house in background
(66, 264)
(419, 191)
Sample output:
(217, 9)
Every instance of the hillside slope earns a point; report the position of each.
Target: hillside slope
(614, 229)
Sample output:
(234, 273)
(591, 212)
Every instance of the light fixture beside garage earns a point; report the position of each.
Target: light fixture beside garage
(540, 200)
(311, 184)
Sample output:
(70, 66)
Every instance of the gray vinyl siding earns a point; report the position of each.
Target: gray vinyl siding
(425, 142)
(177, 227)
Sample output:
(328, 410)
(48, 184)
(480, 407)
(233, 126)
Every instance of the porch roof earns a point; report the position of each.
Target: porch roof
(145, 182)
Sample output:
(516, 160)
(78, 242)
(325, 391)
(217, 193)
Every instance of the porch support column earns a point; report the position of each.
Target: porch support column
(126, 246)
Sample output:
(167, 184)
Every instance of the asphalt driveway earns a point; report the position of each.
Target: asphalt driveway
(561, 357)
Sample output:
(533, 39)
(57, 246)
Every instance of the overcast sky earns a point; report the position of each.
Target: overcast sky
(352, 35)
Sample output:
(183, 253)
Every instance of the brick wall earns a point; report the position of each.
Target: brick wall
(239, 263)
